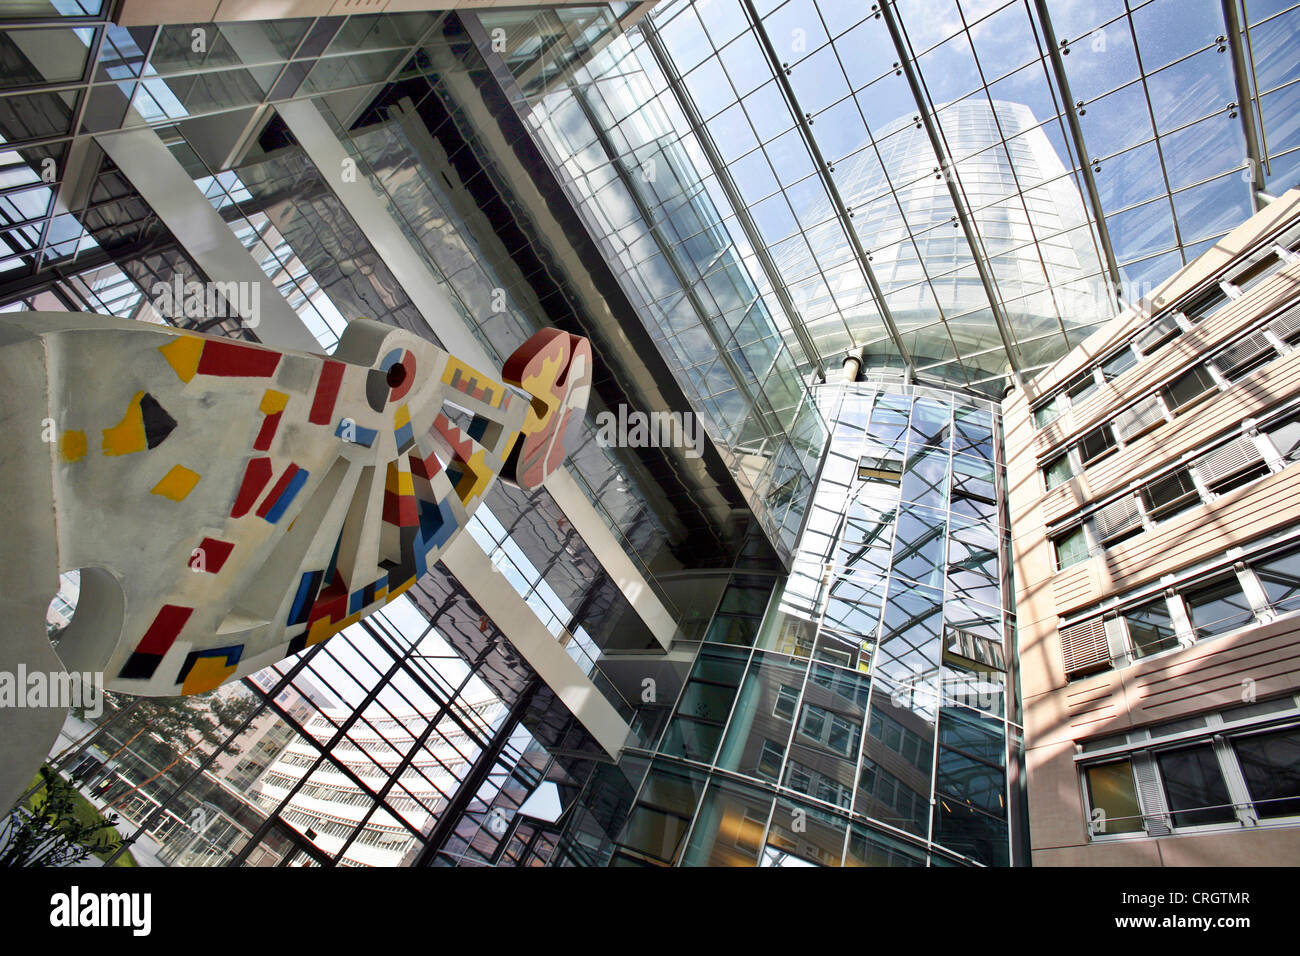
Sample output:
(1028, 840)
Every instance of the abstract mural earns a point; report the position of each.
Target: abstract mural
(229, 505)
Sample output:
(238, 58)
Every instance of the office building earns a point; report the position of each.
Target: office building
(1151, 492)
(831, 236)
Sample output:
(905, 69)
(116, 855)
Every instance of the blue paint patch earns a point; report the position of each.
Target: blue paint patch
(290, 492)
(349, 430)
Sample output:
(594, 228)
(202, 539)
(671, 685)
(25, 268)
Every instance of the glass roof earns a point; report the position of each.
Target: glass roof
(920, 191)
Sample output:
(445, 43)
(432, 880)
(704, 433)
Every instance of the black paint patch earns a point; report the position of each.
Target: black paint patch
(157, 423)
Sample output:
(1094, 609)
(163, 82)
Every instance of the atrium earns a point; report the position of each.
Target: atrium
(942, 403)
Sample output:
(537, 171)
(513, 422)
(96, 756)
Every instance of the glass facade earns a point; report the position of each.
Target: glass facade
(871, 719)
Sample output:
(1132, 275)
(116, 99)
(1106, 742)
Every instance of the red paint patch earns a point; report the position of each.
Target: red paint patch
(256, 475)
(327, 393)
(232, 359)
(426, 468)
(267, 432)
(214, 555)
(277, 491)
(331, 603)
(162, 632)
(400, 510)
(462, 445)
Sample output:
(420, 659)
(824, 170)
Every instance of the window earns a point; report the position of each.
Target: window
(1285, 436)
(1071, 548)
(1280, 578)
(1150, 628)
(1218, 607)
(1270, 762)
(1113, 797)
(1157, 334)
(1206, 304)
(785, 701)
(1242, 358)
(1257, 273)
(1044, 415)
(1194, 786)
(1170, 495)
(1057, 471)
(1096, 443)
(1081, 388)
(881, 468)
(1189, 386)
(1118, 364)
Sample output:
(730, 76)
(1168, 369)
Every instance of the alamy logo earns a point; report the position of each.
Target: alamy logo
(632, 429)
(59, 689)
(73, 909)
(212, 300)
(980, 691)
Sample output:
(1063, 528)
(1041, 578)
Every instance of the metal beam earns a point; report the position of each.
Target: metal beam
(1245, 103)
(1080, 149)
(824, 171)
(738, 203)
(950, 177)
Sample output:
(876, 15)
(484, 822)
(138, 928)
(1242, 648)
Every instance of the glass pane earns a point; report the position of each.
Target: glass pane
(1150, 628)
(803, 835)
(1194, 786)
(729, 828)
(1271, 765)
(1071, 549)
(1057, 472)
(763, 713)
(1280, 577)
(1113, 797)
(1218, 607)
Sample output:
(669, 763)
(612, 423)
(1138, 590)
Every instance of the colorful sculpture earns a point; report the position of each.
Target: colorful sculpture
(229, 505)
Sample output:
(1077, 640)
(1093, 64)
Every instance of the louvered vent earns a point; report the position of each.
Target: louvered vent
(1150, 795)
(1286, 325)
(1238, 455)
(1163, 328)
(1117, 518)
(1135, 420)
(1084, 647)
(1242, 353)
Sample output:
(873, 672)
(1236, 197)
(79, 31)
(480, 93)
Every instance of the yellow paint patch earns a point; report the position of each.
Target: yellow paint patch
(398, 480)
(323, 627)
(475, 479)
(73, 445)
(273, 402)
(177, 483)
(182, 354)
(402, 416)
(491, 396)
(127, 436)
(397, 591)
(208, 673)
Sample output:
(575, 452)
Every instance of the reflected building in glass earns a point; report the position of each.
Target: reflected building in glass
(870, 719)
(1032, 226)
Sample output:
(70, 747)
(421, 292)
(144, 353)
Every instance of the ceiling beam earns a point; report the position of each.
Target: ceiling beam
(1245, 102)
(1080, 148)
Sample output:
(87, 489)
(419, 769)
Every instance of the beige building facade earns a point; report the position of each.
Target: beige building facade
(1154, 493)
